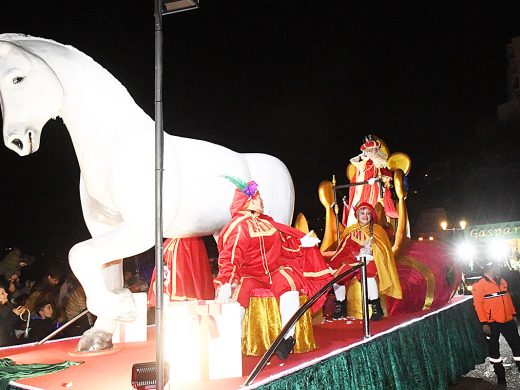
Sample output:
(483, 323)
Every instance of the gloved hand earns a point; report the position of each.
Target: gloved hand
(224, 293)
(372, 180)
(308, 241)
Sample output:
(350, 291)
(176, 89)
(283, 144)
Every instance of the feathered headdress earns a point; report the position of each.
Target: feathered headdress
(249, 189)
(243, 193)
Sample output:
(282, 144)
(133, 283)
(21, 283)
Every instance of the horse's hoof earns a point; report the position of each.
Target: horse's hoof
(127, 312)
(94, 340)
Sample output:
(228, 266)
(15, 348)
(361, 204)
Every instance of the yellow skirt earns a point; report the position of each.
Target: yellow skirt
(262, 324)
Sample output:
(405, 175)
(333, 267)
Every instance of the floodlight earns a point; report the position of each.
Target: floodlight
(466, 251)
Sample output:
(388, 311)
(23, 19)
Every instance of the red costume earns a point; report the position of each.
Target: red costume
(345, 256)
(255, 251)
(187, 271)
(350, 246)
(370, 193)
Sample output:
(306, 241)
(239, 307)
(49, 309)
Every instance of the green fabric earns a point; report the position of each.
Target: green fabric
(10, 371)
(428, 354)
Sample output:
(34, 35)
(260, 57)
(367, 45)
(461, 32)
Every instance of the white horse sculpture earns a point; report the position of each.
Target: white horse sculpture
(114, 142)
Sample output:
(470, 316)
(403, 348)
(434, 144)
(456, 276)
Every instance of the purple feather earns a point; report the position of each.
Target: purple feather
(250, 189)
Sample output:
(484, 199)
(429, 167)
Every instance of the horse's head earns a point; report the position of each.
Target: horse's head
(30, 95)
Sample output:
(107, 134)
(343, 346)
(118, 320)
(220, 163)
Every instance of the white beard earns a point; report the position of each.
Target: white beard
(378, 158)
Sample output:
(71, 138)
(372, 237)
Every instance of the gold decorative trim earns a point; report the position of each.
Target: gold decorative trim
(289, 279)
(317, 274)
(111, 263)
(427, 274)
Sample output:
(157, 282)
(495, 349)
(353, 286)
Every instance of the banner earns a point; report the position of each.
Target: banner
(502, 231)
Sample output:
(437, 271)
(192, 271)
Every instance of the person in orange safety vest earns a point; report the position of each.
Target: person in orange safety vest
(497, 315)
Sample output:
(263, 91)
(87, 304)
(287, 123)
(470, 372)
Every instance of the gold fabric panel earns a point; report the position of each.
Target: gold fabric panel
(262, 324)
(387, 278)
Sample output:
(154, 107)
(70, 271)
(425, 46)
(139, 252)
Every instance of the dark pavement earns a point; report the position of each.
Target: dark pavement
(483, 377)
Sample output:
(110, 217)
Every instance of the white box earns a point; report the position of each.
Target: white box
(203, 340)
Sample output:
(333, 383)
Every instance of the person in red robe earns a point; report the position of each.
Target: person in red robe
(257, 252)
(187, 273)
(370, 166)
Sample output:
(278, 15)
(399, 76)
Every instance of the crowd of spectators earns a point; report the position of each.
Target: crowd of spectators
(32, 309)
(37, 296)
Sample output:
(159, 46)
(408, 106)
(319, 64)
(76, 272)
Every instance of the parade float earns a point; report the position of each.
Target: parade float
(113, 138)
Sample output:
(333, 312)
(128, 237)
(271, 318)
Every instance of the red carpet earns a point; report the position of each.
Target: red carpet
(113, 371)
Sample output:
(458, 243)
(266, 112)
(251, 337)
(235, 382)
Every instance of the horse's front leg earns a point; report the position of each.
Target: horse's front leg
(97, 263)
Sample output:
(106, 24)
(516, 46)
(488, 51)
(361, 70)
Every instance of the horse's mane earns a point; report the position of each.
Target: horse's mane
(14, 37)
(19, 39)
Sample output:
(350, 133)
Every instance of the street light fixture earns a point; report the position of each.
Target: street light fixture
(173, 6)
(462, 224)
(444, 227)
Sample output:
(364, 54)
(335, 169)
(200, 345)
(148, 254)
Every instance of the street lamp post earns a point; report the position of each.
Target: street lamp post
(161, 7)
(444, 227)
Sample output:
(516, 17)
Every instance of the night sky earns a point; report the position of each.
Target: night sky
(301, 80)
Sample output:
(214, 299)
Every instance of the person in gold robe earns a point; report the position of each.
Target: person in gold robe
(367, 237)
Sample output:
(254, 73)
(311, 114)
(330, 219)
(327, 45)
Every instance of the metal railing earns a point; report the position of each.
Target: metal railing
(63, 327)
(301, 311)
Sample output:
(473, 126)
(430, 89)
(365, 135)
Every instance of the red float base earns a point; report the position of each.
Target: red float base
(114, 370)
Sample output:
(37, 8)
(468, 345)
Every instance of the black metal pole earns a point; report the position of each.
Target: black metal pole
(364, 296)
(359, 183)
(159, 146)
(336, 210)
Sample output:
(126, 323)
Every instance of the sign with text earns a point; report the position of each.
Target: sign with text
(502, 231)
